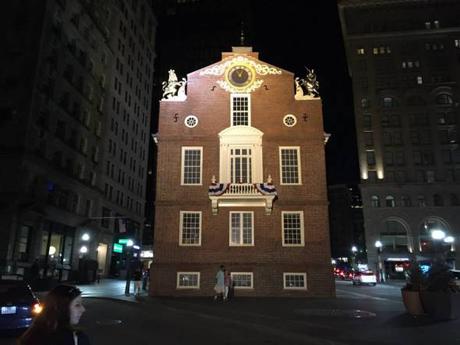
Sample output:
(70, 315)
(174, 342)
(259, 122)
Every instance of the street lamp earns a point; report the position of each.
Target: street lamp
(85, 237)
(437, 234)
(378, 245)
(354, 250)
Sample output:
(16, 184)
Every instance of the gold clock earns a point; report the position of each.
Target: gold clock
(240, 76)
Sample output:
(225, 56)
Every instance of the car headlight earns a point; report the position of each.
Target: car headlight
(37, 308)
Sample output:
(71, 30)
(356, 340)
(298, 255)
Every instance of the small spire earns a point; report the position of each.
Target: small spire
(242, 34)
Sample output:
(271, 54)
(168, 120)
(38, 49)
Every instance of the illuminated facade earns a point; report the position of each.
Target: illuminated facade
(403, 59)
(240, 182)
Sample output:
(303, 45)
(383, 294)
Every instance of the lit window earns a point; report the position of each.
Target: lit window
(457, 43)
(190, 228)
(188, 280)
(240, 110)
(419, 80)
(295, 281)
(290, 165)
(436, 24)
(375, 51)
(364, 103)
(388, 102)
(191, 165)
(241, 165)
(403, 64)
(241, 229)
(360, 51)
(242, 280)
(293, 228)
(427, 25)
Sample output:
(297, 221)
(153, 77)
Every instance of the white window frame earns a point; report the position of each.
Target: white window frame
(246, 95)
(182, 176)
(299, 165)
(240, 244)
(302, 229)
(285, 274)
(181, 220)
(187, 287)
(234, 157)
(251, 274)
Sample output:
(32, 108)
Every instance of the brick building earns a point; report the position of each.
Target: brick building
(241, 182)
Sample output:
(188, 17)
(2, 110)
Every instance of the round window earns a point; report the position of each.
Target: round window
(290, 120)
(191, 121)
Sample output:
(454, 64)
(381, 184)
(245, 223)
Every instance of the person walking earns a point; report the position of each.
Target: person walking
(56, 324)
(227, 285)
(219, 288)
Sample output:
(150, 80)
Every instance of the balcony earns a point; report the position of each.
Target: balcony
(242, 195)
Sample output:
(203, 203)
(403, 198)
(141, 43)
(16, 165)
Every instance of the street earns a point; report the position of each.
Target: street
(359, 315)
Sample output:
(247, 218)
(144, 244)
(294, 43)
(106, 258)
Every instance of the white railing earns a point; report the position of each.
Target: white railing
(242, 189)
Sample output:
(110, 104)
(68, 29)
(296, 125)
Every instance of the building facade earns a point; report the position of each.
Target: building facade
(241, 183)
(73, 130)
(403, 58)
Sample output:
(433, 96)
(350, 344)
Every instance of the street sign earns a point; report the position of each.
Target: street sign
(117, 248)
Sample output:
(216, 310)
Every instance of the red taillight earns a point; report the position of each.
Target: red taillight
(36, 308)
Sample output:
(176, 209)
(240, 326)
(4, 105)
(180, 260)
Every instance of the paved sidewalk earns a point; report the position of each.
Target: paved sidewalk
(107, 288)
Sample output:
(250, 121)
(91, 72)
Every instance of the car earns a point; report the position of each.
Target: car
(18, 304)
(456, 275)
(364, 277)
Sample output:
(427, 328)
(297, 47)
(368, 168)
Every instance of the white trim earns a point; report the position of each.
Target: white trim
(240, 137)
(293, 117)
(181, 227)
(187, 287)
(246, 95)
(190, 148)
(243, 287)
(285, 274)
(302, 229)
(299, 167)
(241, 244)
(193, 117)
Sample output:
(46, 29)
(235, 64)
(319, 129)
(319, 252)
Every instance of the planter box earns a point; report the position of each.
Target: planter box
(441, 305)
(412, 302)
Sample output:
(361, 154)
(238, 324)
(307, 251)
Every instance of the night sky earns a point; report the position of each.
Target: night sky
(306, 33)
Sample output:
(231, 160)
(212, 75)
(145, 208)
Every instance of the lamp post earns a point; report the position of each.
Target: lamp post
(129, 245)
(380, 276)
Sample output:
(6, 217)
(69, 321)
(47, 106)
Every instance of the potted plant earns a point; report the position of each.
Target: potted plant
(440, 296)
(411, 291)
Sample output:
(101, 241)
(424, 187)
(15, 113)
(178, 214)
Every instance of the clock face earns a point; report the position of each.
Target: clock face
(240, 76)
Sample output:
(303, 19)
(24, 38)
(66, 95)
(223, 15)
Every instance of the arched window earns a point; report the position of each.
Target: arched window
(421, 201)
(375, 201)
(444, 99)
(394, 236)
(389, 201)
(437, 200)
(405, 201)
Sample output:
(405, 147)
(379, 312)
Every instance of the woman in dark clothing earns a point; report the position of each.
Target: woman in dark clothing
(56, 324)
